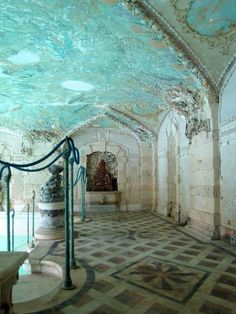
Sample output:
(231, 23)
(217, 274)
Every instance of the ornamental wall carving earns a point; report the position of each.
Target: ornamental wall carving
(190, 104)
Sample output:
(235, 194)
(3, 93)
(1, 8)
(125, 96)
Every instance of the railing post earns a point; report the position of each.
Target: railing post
(72, 247)
(67, 282)
(12, 229)
(28, 209)
(33, 211)
(7, 180)
(82, 183)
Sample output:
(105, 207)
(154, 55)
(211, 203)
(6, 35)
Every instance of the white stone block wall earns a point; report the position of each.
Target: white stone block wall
(186, 174)
(203, 189)
(135, 173)
(228, 153)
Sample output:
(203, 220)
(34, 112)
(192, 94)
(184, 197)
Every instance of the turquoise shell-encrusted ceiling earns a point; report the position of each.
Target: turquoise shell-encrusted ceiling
(64, 63)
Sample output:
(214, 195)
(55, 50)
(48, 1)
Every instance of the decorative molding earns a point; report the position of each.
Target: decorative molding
(137, 128)
(227, 74)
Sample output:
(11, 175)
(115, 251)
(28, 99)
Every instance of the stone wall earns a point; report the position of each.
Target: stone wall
(204, 191)
(173, 166)
(186, 174)
(16, 149)
(228, 153)
(135, 165)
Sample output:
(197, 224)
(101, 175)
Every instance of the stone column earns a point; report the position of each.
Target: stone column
(146, 191)
(51, 207)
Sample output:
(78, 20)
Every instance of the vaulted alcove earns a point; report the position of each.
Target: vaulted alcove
(102, 171)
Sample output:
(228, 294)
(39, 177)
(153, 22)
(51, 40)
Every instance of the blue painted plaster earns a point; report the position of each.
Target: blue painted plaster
(212, 17)
(89, 41)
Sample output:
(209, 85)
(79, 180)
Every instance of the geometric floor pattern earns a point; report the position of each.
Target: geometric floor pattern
(140, 263)
(166, 279)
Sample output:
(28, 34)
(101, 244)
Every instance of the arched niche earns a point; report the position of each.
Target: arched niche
(168, 165)
(172, 184)
(127, 151)
(180, 185)
(195, 176)
(102, 172)
(123, 163)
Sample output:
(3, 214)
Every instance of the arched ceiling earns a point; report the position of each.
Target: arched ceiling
(66, 65)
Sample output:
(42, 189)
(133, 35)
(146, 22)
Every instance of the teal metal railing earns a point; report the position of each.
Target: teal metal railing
(69, 151)
(28, 223)
(33, 219)
(12, 229)
(81, 176)
(72, 246)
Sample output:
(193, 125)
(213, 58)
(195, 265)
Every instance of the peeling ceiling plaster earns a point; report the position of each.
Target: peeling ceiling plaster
(67, 64)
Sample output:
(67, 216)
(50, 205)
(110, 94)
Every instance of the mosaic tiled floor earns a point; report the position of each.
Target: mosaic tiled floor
(137, 262)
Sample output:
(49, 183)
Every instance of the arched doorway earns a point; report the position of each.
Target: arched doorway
(172, 175)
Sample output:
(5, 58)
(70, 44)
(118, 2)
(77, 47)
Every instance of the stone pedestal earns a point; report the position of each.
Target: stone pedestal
(51, 221)
(9, 265)
(102, 200)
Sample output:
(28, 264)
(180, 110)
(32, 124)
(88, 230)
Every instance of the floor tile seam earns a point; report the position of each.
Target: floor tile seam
(226, 287)
(176, 228)
(231, 275)
(107, 253)
(224, 249)
(89, 307)
(203, 256)
(111, 298)
(146, 253)
(166, 303)
(214, 271)
(212, 244)
(148, 296)
(109, 301)
(220, 301)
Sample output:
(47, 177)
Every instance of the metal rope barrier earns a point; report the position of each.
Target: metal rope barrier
(69, 149)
